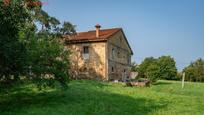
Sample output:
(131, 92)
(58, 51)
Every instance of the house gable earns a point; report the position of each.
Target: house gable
(119, 40)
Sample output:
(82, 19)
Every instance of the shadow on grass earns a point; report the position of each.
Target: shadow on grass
(77, 100)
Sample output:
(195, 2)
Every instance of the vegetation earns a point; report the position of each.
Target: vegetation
(195, 71)
(153, 73)
(29, 53)
(32, 58)
(164, 67)
(167, 67)
(91, 97)
(153, 69)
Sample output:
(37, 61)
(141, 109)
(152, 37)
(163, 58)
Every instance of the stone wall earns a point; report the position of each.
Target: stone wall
(119, 57)
(93, 68)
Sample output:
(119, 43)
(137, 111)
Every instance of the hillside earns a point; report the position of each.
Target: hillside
(91, 97)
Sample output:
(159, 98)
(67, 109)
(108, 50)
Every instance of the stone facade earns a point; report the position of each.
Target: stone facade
(91, 66)
(103, 60)
(119, 57)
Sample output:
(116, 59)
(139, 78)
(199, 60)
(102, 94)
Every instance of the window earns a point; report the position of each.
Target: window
(113, 52)
(112, 69)
(86, 50)
(85, 53)
(129, 59)
(118, 54)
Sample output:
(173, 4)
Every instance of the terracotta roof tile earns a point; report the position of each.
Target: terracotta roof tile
(91, 35)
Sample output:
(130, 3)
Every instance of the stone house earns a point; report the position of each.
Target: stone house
(99, 54)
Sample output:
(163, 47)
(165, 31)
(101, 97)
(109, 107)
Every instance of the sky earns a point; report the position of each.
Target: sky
(152, 27)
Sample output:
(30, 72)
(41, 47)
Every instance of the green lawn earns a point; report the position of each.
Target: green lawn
(100, 98)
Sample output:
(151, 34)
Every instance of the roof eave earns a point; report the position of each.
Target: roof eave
(84, 41)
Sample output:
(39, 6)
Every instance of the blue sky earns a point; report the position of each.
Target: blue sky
(153, 27)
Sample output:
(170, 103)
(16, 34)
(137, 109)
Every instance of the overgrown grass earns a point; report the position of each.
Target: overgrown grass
(86, 97)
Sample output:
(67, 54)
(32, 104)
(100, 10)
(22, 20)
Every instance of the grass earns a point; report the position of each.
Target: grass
(86, 97)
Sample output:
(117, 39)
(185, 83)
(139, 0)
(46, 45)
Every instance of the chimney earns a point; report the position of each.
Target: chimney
(97, 29)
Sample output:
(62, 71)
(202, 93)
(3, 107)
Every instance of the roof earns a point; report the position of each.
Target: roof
(90, 36)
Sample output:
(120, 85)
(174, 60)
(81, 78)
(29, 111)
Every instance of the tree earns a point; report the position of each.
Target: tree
(195, 71)
(13, 17)
(167, 66)
(153, 72)
(149, 69)
(48, 62)
(144, 65)
(47, 22)
(43, 18)
(68, 29)
(38, 56)
(153, 69)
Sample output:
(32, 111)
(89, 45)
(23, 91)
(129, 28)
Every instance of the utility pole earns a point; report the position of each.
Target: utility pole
(183, 80)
